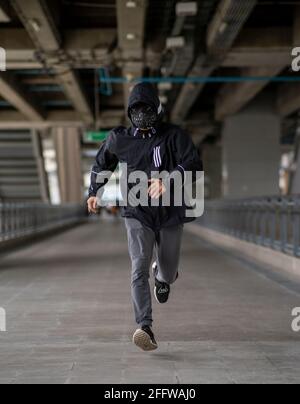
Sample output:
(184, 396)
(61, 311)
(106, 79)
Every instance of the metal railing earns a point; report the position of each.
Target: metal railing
(19, 220)
(272, 222)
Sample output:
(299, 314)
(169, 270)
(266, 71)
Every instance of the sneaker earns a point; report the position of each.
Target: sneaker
(161, 292)
(144, 339)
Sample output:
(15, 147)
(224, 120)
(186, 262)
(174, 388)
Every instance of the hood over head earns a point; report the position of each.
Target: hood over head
(145, 93)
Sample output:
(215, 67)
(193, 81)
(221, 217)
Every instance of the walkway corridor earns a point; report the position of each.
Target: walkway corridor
(69, 317)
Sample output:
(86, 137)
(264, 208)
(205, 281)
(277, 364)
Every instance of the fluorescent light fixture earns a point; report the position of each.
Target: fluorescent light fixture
(35, 24)
(188, 9)
(130, 36)
(131, 4)
(223, 27)
(175, 42)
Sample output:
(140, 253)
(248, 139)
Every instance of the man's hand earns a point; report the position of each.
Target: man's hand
(156, 189)
(93, 205)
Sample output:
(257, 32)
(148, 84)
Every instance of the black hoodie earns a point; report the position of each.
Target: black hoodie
(165, 147)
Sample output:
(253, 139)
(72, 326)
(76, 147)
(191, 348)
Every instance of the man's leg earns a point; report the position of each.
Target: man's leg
(141, 241)
(168, 248)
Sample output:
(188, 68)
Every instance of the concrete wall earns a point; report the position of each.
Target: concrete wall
(212, 160)
(251, 151)
(276, 261)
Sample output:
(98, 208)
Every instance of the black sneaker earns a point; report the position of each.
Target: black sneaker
(161, 292)
(144, 339)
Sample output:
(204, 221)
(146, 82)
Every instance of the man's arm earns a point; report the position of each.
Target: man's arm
(187, 155)
(106, 161)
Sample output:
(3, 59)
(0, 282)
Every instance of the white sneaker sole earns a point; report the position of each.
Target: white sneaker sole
(143, 341)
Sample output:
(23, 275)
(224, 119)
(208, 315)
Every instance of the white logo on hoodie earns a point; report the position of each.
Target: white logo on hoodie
(157, 157)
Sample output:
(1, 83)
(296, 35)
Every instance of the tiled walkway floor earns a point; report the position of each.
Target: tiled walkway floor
(69, 317)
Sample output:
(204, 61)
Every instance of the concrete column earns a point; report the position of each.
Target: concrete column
(68, 156)
(212, 160)
(251, 151)
(38, 152)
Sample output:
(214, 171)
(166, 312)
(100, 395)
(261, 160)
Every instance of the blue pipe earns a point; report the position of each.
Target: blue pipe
(201, 80)
(61, 103)
(105, 82)
(45, 89)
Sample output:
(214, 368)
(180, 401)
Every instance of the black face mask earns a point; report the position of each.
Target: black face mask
(143, 116)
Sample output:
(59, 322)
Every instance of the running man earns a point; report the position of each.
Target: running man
(149, 145)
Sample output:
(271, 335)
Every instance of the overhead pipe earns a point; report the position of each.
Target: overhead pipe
(203, 79)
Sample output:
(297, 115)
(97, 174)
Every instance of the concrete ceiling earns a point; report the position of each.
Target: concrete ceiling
(55, 49)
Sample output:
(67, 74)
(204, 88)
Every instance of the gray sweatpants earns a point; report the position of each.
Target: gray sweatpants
(143, 242)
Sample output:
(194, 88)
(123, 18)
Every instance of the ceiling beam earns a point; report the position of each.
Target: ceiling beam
(69, 80)
(39, 24)
(4, 13)
(226, 25)
(288, 99)
(221, 34)
(82, 48)
(12, 92)
(254, 47)
(131, 35)
(131, 28)
(88, 47)
(37, 20)
(258, 47)
(89, 39)
(17, 120)
(111, 118)
(235, 96)
(74, 39)
(190, 92)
